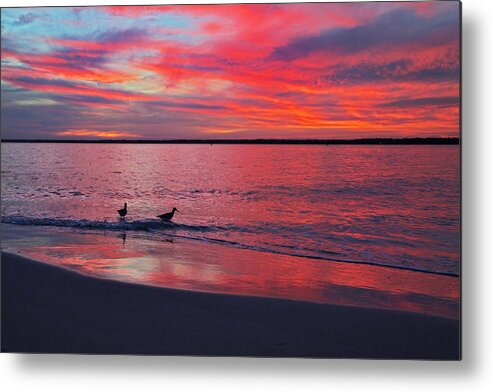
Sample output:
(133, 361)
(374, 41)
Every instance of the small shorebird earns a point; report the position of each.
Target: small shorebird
(123, 211)
(168, 216)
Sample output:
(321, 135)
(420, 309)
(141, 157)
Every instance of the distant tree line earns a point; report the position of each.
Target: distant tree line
(416, 140)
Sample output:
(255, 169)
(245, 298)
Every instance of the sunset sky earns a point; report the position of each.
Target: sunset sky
(327, 70)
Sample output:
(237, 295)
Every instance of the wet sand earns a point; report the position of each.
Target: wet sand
(184, 264)
(50, 309)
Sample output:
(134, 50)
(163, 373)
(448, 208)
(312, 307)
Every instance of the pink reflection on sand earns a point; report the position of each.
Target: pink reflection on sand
(197, 266)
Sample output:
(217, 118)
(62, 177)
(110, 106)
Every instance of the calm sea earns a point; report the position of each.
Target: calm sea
(397, 206)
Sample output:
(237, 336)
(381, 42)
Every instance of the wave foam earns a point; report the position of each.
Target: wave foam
(137, 225)
(181, 230)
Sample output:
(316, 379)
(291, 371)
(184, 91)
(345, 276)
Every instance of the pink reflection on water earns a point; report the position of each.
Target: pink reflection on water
(197, 266)
(391, 205)
(394, 205)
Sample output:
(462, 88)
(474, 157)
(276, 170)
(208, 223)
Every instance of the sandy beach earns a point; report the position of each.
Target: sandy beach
(204, 181)
(50, 309)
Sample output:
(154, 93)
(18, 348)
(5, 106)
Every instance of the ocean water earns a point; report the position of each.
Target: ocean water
(394, 206)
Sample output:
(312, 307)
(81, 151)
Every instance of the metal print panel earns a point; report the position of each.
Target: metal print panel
(232, 180)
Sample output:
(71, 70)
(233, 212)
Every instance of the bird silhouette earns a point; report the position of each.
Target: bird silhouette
(168, 216)
(123, 211)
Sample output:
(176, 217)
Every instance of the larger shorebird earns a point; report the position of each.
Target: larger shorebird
(168, 216)
(123, 211)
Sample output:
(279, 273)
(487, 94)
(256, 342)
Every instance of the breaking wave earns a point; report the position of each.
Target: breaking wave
(203, 233)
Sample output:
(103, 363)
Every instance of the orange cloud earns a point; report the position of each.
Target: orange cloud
(94, 133)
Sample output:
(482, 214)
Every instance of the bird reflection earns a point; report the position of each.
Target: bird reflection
(123, 236)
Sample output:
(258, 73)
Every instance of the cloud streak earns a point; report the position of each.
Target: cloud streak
(95, 133)
(396, 29)
(337, 70)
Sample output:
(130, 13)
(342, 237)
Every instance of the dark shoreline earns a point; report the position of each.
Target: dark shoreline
(46, 309)
(369, 141)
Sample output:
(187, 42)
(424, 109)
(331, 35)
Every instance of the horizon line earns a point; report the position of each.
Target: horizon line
(414, 140)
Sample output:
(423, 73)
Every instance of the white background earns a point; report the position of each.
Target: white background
(129, 373)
